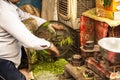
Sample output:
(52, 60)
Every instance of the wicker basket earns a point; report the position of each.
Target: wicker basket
(84, 5)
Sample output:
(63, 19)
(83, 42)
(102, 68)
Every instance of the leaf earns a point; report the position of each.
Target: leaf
(45, 24)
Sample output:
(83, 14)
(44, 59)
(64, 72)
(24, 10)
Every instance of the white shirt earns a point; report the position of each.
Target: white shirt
(13, 33)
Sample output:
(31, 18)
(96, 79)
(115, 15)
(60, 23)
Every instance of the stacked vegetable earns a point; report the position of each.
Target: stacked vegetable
(56, 67)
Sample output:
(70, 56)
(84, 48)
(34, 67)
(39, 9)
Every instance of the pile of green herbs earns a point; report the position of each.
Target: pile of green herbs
(56, 67)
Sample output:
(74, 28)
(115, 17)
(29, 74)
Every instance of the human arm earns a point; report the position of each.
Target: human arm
(24, 15)
(13, 25)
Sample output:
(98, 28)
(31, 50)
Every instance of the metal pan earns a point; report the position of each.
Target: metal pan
(110, 49)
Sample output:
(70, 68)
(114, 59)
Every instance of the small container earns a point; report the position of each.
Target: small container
(76, 60)
(89, 45)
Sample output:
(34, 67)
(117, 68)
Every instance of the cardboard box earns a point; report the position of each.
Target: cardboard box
(108, 9)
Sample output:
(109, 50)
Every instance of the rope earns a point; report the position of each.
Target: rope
(2, 78)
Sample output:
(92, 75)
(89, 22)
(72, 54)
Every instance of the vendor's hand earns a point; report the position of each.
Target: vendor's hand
(54, 50)
(57, 26)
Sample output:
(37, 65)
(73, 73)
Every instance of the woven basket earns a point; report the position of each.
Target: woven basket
(84, 5)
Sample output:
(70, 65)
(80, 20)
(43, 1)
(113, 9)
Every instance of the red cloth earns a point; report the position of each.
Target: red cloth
(101, 30)
(91, 29)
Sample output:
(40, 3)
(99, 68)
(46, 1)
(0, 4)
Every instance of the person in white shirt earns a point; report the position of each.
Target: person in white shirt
(13, 35)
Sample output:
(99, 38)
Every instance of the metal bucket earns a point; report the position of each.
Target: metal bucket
(110, 49)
